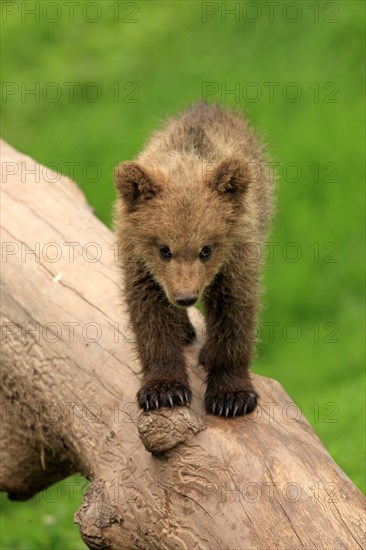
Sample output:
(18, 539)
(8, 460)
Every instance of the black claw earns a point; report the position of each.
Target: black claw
(180, 396)
(230, 404)
(163, 394)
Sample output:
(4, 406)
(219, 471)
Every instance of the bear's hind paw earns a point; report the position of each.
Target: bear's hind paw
(189, 333)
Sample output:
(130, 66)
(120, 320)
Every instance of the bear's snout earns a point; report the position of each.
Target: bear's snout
(186, 298)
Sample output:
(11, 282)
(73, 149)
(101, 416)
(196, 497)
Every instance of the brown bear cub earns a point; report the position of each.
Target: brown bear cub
(189, 210)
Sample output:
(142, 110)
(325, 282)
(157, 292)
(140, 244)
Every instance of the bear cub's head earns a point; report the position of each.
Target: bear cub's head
(182, 224)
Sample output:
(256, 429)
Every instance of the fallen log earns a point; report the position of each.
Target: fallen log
(165, 479)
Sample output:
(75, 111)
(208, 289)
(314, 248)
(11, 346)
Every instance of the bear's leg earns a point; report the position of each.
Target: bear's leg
(230, 304)
(159, 330)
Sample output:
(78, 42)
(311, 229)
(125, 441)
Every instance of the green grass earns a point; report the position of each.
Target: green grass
(165, 59)
(46, 521)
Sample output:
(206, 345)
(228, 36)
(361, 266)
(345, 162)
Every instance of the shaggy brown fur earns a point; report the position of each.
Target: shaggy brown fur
(188, 213)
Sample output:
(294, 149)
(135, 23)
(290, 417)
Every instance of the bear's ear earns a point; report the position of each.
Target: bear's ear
(231, 176)
(134, 184)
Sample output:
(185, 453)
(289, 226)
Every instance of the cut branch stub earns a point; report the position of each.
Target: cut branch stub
(166, 428)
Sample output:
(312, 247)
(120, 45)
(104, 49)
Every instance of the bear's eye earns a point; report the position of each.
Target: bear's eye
(165, 252)
(205, 252)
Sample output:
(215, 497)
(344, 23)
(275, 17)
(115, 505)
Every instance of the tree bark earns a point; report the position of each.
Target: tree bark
(69, 379)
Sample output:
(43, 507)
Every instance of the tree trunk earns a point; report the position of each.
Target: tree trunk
(69, 379)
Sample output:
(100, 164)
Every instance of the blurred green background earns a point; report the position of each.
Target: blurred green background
(105, 74)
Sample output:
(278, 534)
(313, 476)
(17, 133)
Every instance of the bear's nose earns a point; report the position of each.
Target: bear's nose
(186, 299)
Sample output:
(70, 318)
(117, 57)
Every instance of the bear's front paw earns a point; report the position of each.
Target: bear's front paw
(231, 404)
(158, 393)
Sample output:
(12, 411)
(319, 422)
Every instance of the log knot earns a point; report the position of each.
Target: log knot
(96, 515)
(166, 428)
